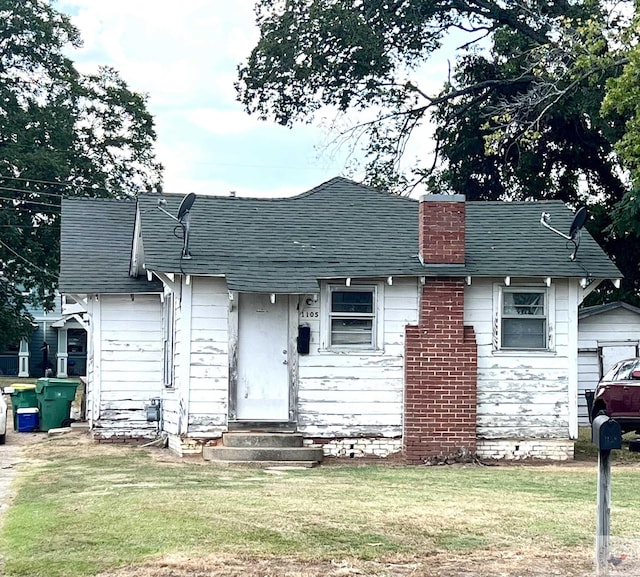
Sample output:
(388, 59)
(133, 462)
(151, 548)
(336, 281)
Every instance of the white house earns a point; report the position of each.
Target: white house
(365, 322)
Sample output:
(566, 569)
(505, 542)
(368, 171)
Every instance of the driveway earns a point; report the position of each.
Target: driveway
(10, 456)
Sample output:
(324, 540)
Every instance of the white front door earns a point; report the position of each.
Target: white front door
(263, 375)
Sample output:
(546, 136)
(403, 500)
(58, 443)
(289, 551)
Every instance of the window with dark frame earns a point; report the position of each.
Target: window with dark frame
(352, 318)
(77, 341)
(524, 319)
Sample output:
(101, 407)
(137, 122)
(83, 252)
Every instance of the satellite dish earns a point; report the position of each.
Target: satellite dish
(575, 229)
(184, 218)
(185, 205)
(578, 222)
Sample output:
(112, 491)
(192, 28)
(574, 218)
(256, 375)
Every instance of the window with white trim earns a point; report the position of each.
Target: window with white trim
(168, 322)
(352, 317)
(524, 319)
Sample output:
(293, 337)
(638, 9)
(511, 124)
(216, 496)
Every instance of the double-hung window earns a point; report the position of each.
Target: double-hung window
(524, 319)
(352, 317)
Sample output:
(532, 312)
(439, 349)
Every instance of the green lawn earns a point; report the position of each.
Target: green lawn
(83, 508)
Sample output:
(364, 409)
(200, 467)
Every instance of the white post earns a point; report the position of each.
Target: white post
(62, 355)
(603, 526)
(23, 359)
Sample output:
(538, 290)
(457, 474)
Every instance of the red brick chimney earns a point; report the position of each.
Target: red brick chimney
(441, 228)
(440, 401)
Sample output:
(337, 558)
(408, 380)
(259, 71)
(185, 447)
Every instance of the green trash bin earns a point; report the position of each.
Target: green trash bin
(23, 397)
(54, 402)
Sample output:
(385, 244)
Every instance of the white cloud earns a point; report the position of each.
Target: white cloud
(184, 56)
(224, 122)
(177, 54)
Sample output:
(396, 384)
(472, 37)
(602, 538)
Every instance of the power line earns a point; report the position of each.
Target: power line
(48, 225)
(24, 179)
(28, 261)
(54, 194)
(29, 201)
(52, 183)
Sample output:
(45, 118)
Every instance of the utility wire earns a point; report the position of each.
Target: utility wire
(54, 194)
(35, 266)
(53, 183)
(27, 200)
(48, 225)
(59, 194)
(24, 179)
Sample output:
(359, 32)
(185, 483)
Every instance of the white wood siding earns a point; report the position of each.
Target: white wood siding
(209, 358)
(129, 363)
(610, 328)
(523, 394)
(350, 394)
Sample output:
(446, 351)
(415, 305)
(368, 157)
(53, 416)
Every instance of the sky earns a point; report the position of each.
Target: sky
(184, 57)
(185, 61)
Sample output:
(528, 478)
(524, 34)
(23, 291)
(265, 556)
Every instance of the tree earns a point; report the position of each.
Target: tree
(61, 133)
(519, 117)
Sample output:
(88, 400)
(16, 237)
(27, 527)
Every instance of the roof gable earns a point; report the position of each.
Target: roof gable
(587, 312)
(95, 247)
(337, 229)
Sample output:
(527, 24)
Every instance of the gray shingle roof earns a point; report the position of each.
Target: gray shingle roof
(507, 239)
(587, 312)
(343, 229)
(95, 247)
(338, 229)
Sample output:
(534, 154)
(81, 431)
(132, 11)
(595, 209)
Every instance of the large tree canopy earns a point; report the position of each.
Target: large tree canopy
(61, 133)
(520, 115)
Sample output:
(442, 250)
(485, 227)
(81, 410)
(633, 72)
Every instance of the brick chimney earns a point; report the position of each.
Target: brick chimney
(440, 397)
(441, 228)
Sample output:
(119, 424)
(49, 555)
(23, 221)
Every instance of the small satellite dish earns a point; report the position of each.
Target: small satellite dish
(575, 229)
(578, 222)
(185, 205)
(184, 218)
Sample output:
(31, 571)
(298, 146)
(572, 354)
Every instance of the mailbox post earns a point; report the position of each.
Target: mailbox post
(605, 435)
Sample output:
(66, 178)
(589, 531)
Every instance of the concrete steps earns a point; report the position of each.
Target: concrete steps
(264, 449)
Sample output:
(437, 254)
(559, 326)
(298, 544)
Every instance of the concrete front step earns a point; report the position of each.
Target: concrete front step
(281, 455)
(261, 440)
(275, 465)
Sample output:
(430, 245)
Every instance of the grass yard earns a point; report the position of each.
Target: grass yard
(88, 509)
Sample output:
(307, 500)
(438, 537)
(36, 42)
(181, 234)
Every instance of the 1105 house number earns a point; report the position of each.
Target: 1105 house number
(309, 314)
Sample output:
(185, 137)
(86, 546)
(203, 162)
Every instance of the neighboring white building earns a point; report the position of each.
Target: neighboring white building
(606, 334)
(368, 323)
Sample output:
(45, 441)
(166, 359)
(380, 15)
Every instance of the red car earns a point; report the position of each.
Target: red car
(618, 395)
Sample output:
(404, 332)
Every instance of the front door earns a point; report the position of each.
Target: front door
(263, 375)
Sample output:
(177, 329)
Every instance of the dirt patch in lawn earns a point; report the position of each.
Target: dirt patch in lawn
(499, 564)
